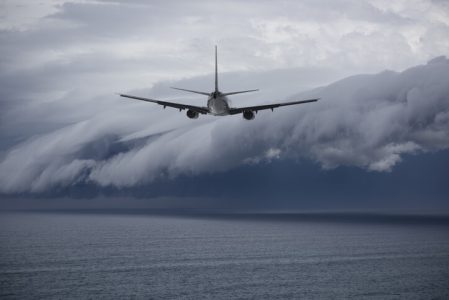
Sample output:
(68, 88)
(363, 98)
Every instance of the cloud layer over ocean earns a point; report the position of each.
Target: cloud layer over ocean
(367, 121)
(61, 62)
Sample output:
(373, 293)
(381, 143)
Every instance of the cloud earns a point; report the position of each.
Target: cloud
(368, 121)
(60, 62)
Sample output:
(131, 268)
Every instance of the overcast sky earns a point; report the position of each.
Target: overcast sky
(62, 61)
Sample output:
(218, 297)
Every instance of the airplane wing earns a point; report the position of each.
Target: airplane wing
(238, 110)
(198, 109)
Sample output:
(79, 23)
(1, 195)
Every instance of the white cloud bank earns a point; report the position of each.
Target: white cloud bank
(368, 121)
(61, 60)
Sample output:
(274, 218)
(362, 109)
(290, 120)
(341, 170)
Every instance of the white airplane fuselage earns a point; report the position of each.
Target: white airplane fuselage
(218, 105)
(217, 102)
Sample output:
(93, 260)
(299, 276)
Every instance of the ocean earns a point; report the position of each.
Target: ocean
(62, 255)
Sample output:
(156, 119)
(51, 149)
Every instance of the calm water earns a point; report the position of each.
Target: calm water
(121, 256)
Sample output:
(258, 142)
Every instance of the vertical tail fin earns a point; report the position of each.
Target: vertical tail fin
(216, 70)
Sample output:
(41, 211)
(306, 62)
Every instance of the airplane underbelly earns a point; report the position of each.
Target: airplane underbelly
(218, 107)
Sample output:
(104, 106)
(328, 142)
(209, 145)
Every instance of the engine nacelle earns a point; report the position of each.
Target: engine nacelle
(248, 115)
(192, 114)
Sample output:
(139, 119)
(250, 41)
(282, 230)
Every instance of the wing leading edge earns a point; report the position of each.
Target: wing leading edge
(237, 110)
(198, 109)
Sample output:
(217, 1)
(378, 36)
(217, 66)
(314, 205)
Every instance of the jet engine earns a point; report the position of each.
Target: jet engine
(192, 114)
(248, 115)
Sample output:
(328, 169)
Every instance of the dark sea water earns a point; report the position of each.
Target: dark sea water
(62, 256)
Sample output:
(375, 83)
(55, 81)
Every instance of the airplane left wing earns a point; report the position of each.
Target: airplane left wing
(198, 109)
(233, 111)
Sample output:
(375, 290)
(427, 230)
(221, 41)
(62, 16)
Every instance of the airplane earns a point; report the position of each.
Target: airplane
(218, 103)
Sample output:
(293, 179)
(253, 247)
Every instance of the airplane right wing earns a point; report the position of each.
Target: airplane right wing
(256, 108)
(180, 106)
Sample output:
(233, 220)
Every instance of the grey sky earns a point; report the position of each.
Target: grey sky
(61, 62)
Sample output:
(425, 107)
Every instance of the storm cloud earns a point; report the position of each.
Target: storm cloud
(367, 121)
(62, 125)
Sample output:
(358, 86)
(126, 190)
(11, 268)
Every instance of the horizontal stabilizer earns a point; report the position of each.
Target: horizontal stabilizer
(239, 92)
(190, 91)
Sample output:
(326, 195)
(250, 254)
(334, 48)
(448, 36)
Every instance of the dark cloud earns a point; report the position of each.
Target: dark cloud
(417, 185)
